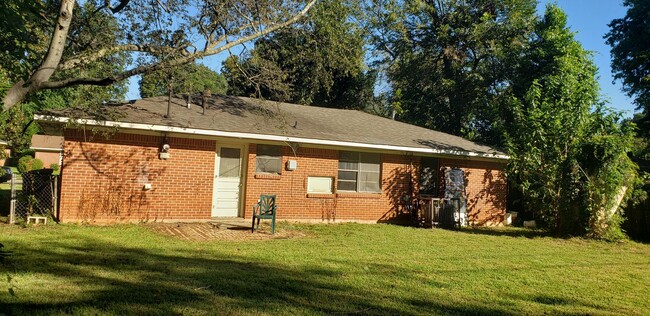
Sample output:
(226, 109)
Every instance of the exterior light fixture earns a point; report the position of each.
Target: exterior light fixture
(164, 152)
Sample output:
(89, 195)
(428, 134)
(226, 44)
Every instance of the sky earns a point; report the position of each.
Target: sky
(587, 18)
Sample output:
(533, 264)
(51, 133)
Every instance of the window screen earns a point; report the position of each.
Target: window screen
(359, 172)
(429, 176)
(269, 159)
(229, 162)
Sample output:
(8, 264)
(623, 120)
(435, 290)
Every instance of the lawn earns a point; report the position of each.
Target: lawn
(335, 269)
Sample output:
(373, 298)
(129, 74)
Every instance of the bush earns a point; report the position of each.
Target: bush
(27, 163)
(55, 167)
(37, 164)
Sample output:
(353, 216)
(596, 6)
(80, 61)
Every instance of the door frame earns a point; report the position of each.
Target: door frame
(243, 171)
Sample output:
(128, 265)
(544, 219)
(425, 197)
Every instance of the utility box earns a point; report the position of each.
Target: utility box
(292, 165)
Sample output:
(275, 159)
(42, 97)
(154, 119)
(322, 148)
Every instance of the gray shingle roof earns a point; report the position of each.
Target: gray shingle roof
(246, 115)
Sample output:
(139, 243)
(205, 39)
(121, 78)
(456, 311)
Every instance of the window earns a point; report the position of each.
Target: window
(359, 172)
(319, 185)
(429, 176)
(229, 162)
(269, 159)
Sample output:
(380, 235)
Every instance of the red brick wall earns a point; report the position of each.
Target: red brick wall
(485, 186)
(291, 188)
(102, 180)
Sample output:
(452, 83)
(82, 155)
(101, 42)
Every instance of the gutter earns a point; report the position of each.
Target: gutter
(289, 139)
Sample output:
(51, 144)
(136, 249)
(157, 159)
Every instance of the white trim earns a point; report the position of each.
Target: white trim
(239, 135)
(47, 149)
(241, 185)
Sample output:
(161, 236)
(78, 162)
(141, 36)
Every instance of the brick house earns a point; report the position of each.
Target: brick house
(48, 149)
(323, 164)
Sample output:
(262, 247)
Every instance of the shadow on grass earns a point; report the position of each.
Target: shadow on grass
(506, 231)
(95, 277)
(108, 278)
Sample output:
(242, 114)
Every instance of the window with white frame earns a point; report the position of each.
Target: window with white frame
(359, 172)
(269, 159)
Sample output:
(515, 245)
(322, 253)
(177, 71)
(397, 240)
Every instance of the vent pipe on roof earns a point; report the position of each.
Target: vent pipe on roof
(206, 93)
(170, 80)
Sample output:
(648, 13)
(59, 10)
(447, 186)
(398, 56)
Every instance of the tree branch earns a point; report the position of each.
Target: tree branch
(40, 79)
(119, 7)
(87, 59)
(19, 91)
(261, 33)
(84, 60)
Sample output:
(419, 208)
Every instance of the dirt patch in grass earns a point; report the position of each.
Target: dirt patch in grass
(211, 231)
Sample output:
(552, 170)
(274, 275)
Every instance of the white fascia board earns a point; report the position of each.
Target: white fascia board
(47, 149)
(288, 139)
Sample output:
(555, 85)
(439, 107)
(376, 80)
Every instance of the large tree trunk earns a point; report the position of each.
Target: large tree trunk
(20, 89)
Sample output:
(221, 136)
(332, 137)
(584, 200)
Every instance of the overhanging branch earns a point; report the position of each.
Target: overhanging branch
(87, 59)
(185, 57)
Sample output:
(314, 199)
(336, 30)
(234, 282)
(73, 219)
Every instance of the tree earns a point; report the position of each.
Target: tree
(318, 62)
(448, 62)
(629, 38)
(569, 162)
(169, 27)
(26, 28)
(191, 78)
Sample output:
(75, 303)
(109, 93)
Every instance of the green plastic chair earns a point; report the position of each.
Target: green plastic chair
(264, 209)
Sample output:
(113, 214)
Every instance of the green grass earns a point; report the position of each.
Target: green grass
(337, 269)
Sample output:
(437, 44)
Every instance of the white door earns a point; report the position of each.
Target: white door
(227, 180)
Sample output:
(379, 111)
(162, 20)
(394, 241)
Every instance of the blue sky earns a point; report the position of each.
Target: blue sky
(588, 18)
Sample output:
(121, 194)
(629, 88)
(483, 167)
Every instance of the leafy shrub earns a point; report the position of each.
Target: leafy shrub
(37, 164)
(27, 163)
(613, 231)
(55, 167)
